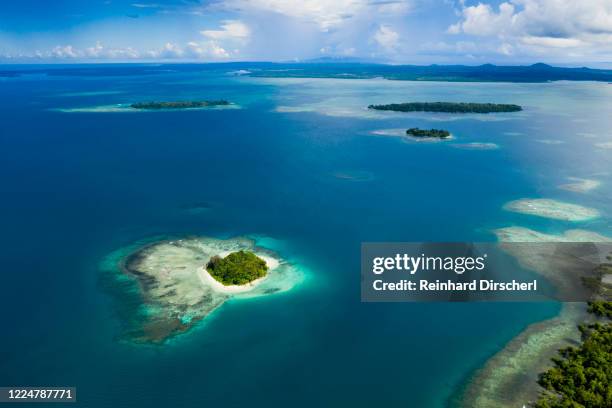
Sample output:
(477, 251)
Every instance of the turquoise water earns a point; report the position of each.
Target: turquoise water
(297, 167)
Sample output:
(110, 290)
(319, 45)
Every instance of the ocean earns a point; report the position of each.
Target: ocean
(297, 167)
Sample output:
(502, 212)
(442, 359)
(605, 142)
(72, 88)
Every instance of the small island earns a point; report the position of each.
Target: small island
(237, 268)
(427, 133)
(165, 287)
(448, 107)
(154, 105)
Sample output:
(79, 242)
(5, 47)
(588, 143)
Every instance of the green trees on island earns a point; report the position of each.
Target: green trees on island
(178, 104)
(439, 133)
(582, 376)
(601, 308)
(237, 268)
(451, 107)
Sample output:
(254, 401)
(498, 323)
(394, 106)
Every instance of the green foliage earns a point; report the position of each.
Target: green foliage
(451, 107)
(238, 268)
(601, 308)
(439, 133)
(582, 376)
(177, 105)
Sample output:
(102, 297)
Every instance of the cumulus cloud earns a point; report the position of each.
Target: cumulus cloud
(483, 20)
(64, 51)
(230, 30)
(205, 50)
(386, 38)
(98, 51)
(541, 25)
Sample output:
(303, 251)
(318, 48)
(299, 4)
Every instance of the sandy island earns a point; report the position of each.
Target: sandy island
(176, 290)
(547, 208)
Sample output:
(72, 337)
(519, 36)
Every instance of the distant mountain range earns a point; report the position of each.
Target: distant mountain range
(331, 68)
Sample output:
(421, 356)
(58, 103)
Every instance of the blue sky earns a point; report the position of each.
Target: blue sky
(394, 31)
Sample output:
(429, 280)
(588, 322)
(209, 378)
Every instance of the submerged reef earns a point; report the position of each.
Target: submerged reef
(476, 146)
(175, 290)
(547, 208)
(580, 185)
(448, 107)
(509, 378)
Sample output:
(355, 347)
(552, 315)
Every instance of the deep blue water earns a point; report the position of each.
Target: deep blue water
(76, 186)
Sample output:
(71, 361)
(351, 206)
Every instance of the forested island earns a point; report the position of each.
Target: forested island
(178, 104)
(237, 268)
(436, 133)
(582, 375)
(450, 107)
(179, 282)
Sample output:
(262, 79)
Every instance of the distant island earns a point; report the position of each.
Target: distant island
(178, 104)
(339, 68)
(447, 73)
(581, 374)
(450, 107)
(439, 133)
(237, 268)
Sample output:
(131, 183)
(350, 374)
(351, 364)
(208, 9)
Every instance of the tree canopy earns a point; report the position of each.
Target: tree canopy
(439, 133)
(237, 268)
(451, 107)
(582, 376)
(177, 104)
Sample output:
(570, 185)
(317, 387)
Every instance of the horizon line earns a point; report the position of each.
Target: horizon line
(330, 61)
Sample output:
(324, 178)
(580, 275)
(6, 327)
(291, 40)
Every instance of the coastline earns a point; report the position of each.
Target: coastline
(509, 377)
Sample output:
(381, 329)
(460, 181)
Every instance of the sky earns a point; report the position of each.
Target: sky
(563, 32)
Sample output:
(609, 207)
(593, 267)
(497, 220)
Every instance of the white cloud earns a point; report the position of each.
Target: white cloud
(99, 51)
(206, 50)
(542, 26)
(146, 5)
(506, 49)
(483, 20)
(169, 51)
(230, 30)
(552, 42)
(326, 14)
(65, 51)
(386, 38)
